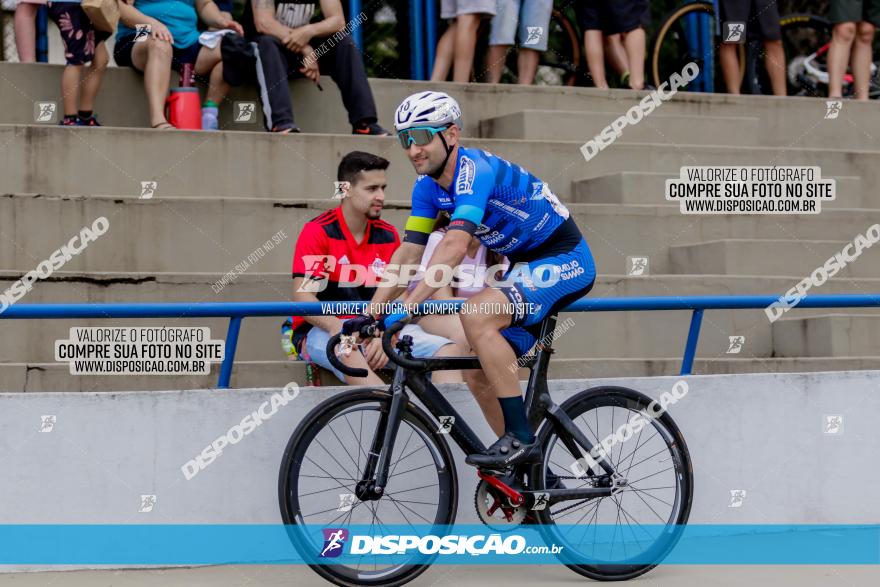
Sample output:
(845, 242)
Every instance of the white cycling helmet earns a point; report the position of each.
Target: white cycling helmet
(427, 109)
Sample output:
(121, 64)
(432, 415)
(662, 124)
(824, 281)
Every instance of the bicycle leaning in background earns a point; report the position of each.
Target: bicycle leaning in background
(391, 459)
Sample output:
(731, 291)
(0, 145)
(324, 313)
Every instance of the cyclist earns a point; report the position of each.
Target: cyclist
(513, 213)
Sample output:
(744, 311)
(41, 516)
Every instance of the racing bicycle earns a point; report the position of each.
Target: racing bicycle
(391, 462)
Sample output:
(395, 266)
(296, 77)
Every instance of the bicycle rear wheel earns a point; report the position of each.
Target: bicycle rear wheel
(324, 461)
(627, 534)
(672, 50)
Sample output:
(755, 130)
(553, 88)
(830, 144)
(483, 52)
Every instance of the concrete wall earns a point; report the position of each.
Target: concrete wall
(762, 433)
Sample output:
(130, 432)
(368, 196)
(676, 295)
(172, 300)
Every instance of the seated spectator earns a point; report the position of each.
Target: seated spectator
(627, 19)
(25, 27)
(517, 18)
(173, 40)
(82, 45)
(286, 48)
(353, 234)
(854, 22)
(457, 44)
(761, 18)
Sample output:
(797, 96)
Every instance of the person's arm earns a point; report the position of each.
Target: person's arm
(212, 16)
(450, 252)
(311, 247)
(265, 21)
(131, 16)
(390, 288)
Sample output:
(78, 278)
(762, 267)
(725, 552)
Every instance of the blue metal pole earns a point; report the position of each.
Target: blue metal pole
(416, 41)
(354, 10)
(229, 354)
(42, 36)
(690, 349)
(431, 32)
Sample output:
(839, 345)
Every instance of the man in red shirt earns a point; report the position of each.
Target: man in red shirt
(350, 243)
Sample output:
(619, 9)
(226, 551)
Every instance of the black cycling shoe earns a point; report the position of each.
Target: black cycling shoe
(508, 451)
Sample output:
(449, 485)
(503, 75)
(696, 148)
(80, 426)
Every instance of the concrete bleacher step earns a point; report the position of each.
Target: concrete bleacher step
(788, 122)
(606, 335)
(114, 161)
(557, 125)
(767, 257)
(42, 377)
(830, 335)
(171, 234)
(641, 187)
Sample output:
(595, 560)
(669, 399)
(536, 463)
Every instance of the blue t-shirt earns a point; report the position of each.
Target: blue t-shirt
(514, 211)
(178, 15)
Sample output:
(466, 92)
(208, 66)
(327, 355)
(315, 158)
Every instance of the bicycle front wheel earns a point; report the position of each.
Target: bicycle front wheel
(326, 458)
(617, 537)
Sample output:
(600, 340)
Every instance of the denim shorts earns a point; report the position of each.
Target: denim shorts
(452, 8)
(516, 17)
(424, 345)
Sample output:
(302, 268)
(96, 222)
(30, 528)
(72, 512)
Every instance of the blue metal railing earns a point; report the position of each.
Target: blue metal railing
(237, 311)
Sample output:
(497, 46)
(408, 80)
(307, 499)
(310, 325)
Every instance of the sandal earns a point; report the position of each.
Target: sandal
(163, 126)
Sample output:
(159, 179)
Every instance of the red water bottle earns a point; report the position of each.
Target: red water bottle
(182, 108)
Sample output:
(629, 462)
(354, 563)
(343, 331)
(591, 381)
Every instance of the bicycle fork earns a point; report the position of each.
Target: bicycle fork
(375, 475)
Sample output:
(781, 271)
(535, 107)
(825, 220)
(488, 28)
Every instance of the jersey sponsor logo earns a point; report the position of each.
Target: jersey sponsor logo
(444, 200)
(464, 183)
(543, 221)
(344, 260)
(537, 190)
(378, 267)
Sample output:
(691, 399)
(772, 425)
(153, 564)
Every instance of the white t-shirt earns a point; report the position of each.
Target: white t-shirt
(479, 260)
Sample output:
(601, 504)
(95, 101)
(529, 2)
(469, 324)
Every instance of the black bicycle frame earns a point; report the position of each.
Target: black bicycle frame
(538, 403)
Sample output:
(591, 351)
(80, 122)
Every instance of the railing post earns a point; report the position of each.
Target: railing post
(354, 10)
(229, 354)
(430, 34)
(690, 349)
(416, 40)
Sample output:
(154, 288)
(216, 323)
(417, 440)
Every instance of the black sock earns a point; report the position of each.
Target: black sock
(515, 421)
(85, 114)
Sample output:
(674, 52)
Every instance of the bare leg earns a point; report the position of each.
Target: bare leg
(634, 42)
(861, 59)
(495, 58)
(153, 57)
(448, 326)
(842, 36)
(526, 66)
(616, 54)
(357, 361)
(482, 392)
(775, 63)
(465, 43)
(25, 26)
(454, 376)
(94, 74)
(443, 55)
(730, 67)
(70, 88)
(595, 57)
(210, 60)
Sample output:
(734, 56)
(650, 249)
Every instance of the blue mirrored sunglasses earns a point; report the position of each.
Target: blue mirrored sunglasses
(420, 135)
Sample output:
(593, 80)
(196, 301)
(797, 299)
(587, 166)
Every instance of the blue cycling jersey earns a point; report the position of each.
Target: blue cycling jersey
(513, 210)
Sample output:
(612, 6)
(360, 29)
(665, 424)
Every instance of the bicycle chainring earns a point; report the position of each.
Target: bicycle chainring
(495, 510)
